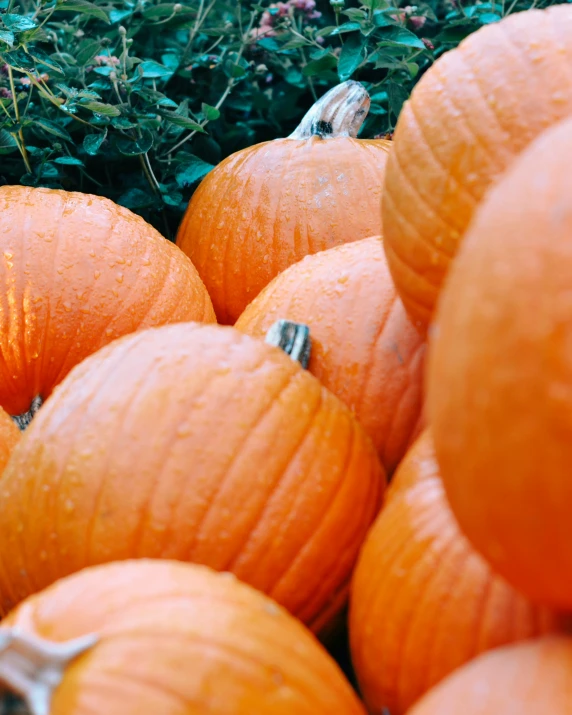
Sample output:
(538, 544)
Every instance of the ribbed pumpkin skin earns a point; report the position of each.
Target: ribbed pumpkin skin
(9, 437)
(500, 373)
(266, 207)
(458, 133)
(523, 679)
(423, 602)
(195, 443)
(364, 347)
(76, 272)
(177, 638)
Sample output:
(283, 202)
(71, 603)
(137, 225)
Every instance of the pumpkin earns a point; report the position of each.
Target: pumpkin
(195, 443)
(268, 206)
(458, 133)
(9, 437)
(78, 271)
(522, 679)
(423, 601)
(364, 347)
(501, 370)
(160, 637)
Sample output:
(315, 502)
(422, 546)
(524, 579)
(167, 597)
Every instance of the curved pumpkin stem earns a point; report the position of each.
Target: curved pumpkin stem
(339, 113)
(293, 338)
(23, 420)
(34, 667)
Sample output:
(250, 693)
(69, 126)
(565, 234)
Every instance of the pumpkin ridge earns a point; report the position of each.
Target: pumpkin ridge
(459, 109)
(560, 46)
(34, 382)
(480, 610)
(408, 221)
(423, 588)
(462, 189)
(396, 161)
(335, 492)
(152, 303)
(373, 349)
(230, 566)
(422, 277)
(54, 254)
(260, 418)
(250, 156)
(281, 194)
(146, 507)
(127, 407)
(309, 544)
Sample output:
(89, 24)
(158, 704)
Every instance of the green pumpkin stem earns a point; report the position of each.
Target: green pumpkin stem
(23, 420)
(33, 667)
(293, 339)
(339, 113)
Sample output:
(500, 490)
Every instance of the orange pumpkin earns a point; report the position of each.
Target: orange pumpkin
(78, 271)
(364, 347)
(501, 370)
(268, 206)
(423, 602)
(458, 133)
(165, 638)
(9, 437)
(200, 444)
(523, 679)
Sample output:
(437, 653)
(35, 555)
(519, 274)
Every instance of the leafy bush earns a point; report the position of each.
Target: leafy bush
(138, 99)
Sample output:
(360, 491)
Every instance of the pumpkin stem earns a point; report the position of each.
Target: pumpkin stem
(34, 667)
(293, 338)
(25, 418)
(339, 113)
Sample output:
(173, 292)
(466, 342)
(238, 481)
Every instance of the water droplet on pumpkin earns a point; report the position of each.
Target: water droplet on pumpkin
(119, 277)
(69, 506)
(8, 255)
(96, 274)
(67, 307)
(43, 555)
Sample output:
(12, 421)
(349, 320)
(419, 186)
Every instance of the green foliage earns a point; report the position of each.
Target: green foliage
(138, 99)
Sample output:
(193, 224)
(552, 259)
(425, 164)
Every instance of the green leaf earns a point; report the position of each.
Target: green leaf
(7, 37)
(134, 147)
(7, 142)
(346, 27)
(269, 43)
(180, 121)
(45, 59)
(85, 8)
(352, 55)
(376, 4)
(487, 18)
(108, 110)
(211, 113)
(153, 70)
(92, 143)
(191, 172)
(400, 36)
(19, 60)
(52, 128)
(18, 23)
(397, 95)
(87, 50)
(118, 15)
(157, 12)
(173, 198)
(136, 199)
(323, 64)
(68, 161)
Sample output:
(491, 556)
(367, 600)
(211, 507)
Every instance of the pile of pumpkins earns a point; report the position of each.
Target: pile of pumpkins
(343, 398)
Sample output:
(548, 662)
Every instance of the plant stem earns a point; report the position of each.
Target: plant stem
(22, 144)
(150, 176)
